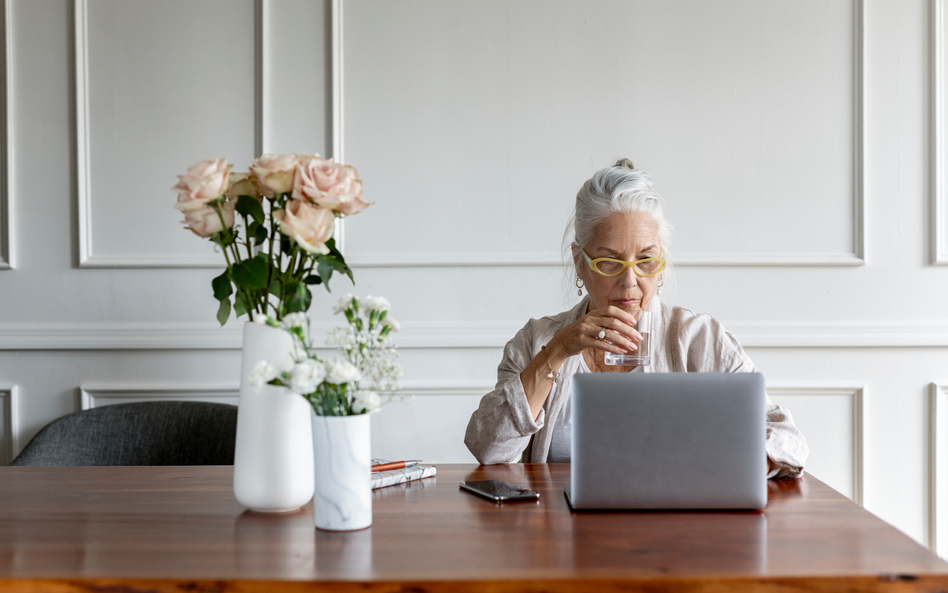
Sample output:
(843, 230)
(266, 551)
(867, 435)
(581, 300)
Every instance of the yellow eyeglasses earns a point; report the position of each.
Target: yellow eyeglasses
(606, 266)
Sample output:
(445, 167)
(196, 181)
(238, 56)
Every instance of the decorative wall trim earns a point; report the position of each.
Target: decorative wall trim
(96, 396)
(8, 242)
(459, 335)
(938, 469)
(9, 427)
(856, 257)
(260, 37)
(87, 257)
(853, 391)
(338, 148)
(447, 388)
(937, 47)
(434, 260)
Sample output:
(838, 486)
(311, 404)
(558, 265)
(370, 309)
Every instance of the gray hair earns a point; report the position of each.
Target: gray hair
(619, 188)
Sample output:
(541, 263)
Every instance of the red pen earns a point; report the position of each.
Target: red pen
(394, 465)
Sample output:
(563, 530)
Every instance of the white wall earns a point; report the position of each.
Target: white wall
(796, 144)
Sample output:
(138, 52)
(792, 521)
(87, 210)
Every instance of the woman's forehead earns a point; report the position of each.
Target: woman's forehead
(634, 231)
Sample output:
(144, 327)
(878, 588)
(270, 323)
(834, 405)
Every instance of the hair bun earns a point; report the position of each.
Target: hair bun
(627, 163)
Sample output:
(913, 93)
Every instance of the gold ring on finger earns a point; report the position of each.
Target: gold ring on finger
(602, 333)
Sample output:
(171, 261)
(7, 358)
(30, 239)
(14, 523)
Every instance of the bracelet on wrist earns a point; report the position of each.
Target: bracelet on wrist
(553, 375)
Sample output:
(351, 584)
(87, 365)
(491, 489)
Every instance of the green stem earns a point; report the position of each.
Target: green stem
(301, 267)
(254, 302)
(247, 237)
(273, 233)
(299, 257)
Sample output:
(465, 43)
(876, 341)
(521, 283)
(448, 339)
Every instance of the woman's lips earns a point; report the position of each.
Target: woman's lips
(625, 302)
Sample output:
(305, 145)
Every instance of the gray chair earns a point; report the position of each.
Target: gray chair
(142, 433)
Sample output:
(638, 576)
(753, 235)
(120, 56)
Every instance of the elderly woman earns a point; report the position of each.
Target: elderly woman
(620, 235)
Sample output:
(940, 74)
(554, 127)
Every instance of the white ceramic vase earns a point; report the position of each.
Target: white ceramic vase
(273, 458)
(342, 454)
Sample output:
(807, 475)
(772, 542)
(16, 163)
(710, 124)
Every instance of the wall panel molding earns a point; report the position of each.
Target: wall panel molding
(461, 335)
(98, 395)
(87, 257)
(446, 388)
(938, 469)
(489, 260)
(855, 393)
(856, 257)
(939, 245)
(336, 104)
(9, 427)
(8, 239)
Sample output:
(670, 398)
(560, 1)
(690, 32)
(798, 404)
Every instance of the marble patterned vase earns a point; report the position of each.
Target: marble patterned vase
(342, 457)
(273, 457)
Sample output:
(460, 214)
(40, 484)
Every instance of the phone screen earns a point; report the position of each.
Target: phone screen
(498, 490)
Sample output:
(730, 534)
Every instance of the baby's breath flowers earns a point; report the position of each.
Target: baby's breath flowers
(354, 383)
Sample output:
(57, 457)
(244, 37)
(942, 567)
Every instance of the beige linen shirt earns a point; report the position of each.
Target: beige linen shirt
(503, 430)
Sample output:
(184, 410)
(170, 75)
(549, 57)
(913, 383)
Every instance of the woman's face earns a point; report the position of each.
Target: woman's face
(628, 237)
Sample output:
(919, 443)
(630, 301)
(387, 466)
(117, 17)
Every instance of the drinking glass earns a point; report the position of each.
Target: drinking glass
(643, 355)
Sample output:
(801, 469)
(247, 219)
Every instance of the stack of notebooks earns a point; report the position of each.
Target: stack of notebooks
(400, 476)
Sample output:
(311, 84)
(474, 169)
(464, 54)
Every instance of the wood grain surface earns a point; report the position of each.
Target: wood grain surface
(180, 529)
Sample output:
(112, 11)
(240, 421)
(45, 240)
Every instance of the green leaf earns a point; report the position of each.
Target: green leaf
(259, 235)
(241, 305)
(311, 279)
(248, 206)
(298, 297)
(331, 244)
(251, 274)
(325, 272)
(334, 253)
(225, 241)
(223, 313)
(329, 264)
(276, 289)
(221, 286)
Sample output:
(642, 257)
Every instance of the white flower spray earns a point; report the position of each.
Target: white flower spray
(360, 381)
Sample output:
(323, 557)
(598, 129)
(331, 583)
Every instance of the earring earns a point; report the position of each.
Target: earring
(579, 286)
(661, 282)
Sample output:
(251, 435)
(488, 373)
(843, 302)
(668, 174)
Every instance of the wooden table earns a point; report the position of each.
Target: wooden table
(124, 529)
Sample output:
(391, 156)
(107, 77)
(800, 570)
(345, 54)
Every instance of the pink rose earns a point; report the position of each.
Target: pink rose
(274, 173)
(203, 182)
(310, 225)
(331, 185)
(206, 221)
(243, 184)
(314, 176)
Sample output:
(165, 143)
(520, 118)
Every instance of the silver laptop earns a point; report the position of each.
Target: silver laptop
(668, 441)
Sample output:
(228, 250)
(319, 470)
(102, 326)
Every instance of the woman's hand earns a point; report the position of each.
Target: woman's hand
(619, 327)
(620, 337)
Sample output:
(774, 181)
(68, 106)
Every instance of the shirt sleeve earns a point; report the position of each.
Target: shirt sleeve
(786, 448)
(501, 427)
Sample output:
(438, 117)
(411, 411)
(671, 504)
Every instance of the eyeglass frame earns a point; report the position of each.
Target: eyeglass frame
(625, 264)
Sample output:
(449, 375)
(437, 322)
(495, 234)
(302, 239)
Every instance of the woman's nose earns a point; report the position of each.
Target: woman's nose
(628, 276)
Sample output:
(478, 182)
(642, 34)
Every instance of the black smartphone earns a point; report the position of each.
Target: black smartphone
(499, 491)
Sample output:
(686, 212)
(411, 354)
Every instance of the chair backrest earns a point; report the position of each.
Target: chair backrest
(141, 433)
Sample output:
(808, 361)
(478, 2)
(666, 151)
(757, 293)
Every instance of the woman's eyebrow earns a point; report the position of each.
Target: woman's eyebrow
(607, 251)
(614, 252)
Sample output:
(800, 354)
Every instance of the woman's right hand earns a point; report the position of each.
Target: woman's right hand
(619, 327)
